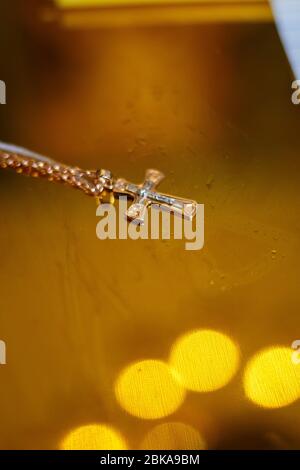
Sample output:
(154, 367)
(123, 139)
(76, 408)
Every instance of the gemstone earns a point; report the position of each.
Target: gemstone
(120, 185)
(189, 210)
(106, 174)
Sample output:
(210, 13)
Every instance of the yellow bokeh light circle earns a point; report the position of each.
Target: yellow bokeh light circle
(149, 390)
(205, 360)
(173, 436)
(94, 437)
(272, 379)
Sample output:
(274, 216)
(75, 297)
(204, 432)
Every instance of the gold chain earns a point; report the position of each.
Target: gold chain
(91, 183)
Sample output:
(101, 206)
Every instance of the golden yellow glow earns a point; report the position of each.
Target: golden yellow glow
(271, 378)
(173, 436)
(149, 390)
(205, 360)
(101, 3)
(99, 12)
(93, 437)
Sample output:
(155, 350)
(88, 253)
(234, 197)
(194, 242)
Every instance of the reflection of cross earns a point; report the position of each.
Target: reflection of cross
(144, 195)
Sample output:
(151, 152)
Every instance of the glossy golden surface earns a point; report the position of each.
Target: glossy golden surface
(210, 106)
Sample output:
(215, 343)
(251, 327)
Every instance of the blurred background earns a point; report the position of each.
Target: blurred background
(141, 344)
